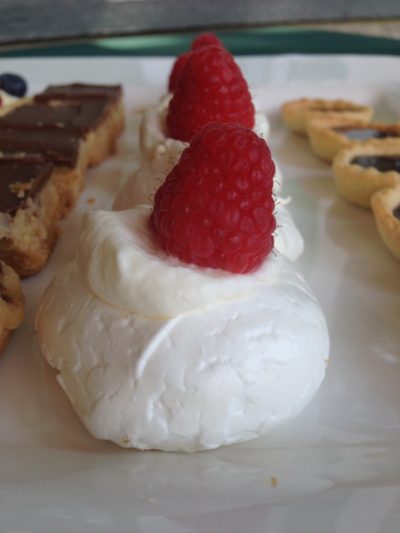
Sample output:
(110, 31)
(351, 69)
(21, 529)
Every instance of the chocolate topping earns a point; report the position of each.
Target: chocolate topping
(74, 117)
(367, 133)
(396, 212)
(383, 163)
(79, 91)
(20, 180)
(56, 146)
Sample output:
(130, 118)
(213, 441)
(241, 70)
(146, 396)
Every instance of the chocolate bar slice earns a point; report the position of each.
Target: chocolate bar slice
(100, 141)
(74, 117)
(29, 211)
(60, 147)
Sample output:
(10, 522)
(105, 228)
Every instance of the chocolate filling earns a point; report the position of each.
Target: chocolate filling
(366, 133)
(396, 212)
(56, 146)
(383, 163)
(79, 91)
(74, 117)
(19, 181)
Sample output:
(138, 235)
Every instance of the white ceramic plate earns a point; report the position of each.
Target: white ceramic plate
(335, 469)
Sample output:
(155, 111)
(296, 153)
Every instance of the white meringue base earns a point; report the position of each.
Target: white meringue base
(200, 380)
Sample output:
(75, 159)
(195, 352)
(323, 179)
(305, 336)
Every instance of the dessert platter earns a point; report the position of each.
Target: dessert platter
(169, 365)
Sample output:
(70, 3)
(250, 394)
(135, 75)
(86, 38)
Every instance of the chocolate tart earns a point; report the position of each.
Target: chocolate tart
(298, 113)
(363, 169)
(386, 208)
(11, 303)
(329, 135)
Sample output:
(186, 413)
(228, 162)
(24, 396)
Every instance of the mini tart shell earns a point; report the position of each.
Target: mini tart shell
(12, 303)
(357, 184)
(298, 113)
(383, 202)
(326, 142)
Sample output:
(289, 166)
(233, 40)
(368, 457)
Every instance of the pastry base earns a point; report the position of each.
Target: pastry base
(5, 335)
(357, 184)
(383, 203)
(101, 142)
(326, 142)
(29, 236)
(298, 113)
(11, 303)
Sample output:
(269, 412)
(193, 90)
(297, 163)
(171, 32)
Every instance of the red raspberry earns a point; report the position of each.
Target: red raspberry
(206, 39)
(177, 68)
(211, 88)
(215, 208)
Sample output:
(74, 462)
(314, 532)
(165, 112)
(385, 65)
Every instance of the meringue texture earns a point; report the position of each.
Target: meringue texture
(233, 367)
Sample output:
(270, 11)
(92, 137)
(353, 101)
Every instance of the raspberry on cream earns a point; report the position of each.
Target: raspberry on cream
(160, 153)
(212, 89)
(215, 208)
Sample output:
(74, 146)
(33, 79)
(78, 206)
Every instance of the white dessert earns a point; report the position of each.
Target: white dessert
(244, 354)
(160, 153)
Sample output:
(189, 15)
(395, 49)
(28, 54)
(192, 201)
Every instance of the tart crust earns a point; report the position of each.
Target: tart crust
(383, 203)
(298, 113)
(325, 141)
(11, 303)
(356, 183)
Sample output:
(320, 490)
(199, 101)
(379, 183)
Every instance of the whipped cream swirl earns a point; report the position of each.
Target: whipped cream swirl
(122, 266)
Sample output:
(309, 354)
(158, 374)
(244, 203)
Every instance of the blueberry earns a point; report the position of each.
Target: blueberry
(13, 84)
